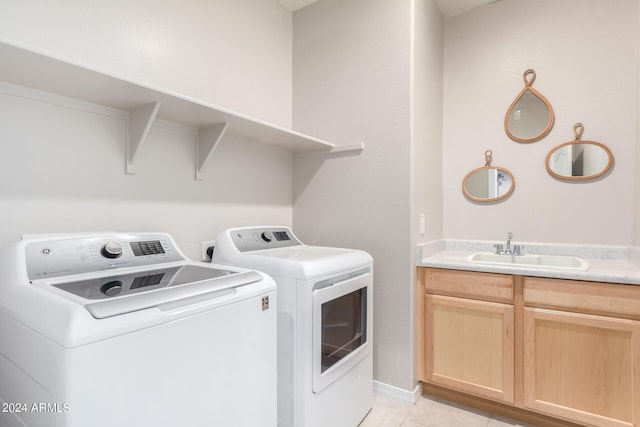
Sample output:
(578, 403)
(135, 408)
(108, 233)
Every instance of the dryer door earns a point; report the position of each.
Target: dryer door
(341, 337)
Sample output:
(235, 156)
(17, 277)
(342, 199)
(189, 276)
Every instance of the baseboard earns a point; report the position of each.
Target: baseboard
(493, 407)
(408, 397)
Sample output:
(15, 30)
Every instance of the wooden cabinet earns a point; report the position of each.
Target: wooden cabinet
(471, 346)
(583, 367)
(565, 349)
(470, 341)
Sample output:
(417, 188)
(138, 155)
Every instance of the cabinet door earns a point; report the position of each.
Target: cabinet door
(470, 345)
(582, 367)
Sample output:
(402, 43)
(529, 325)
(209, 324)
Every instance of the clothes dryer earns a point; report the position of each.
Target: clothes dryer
(324, 323)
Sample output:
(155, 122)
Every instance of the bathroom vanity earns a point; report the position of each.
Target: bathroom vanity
(553, 346)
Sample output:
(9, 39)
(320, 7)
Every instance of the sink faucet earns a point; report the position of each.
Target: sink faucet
(500, 250)
(507, 250)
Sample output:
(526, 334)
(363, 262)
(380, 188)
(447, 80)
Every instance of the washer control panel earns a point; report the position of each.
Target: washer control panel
(74, 255)
(254, 239)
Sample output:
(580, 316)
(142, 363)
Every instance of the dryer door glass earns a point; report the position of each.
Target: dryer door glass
(344, 327)
(341, 327)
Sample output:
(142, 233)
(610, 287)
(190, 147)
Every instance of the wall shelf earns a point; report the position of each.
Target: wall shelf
(24, 67)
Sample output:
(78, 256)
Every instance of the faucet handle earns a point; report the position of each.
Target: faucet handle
(499, 248)
(517, 249)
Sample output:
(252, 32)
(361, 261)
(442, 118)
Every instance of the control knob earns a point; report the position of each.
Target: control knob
(111, 289)
(111, 250)
(267, 236)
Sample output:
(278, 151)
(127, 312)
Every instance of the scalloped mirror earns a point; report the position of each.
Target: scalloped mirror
(579, 160)
(488, 183)
(530, 117)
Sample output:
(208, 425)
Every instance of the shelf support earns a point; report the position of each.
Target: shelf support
(358, 146)
(140, 120)
(208, 139)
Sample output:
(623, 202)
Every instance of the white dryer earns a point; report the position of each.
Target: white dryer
(324, 323)
(108, 330)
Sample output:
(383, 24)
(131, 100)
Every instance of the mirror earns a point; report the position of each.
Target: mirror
(530, 116)
(488, 183)
(579, 160)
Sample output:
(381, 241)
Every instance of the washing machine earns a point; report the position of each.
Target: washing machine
(325, 334)
(121, 329)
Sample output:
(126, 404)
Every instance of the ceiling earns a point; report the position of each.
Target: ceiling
(447, 7)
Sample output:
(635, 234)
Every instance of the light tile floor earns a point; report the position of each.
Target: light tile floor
(431, 412)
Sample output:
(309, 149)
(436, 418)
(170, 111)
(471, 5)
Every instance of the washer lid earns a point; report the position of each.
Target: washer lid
(120, 285)
(140, 301)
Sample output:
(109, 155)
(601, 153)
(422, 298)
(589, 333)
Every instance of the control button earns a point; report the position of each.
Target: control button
(111, 289)
(112, 250)
(267, 236)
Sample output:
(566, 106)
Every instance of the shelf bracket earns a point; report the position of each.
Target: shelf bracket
(358, 146)
(140, 121)
(208, 139)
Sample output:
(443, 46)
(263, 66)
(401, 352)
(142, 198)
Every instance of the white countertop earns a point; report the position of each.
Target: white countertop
(614, 264)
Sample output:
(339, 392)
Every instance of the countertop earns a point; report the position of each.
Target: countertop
(613, 264)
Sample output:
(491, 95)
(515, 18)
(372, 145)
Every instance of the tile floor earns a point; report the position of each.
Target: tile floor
(431, 412)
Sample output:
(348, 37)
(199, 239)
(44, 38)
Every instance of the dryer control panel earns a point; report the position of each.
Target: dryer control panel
(254, 239)
(50, 257)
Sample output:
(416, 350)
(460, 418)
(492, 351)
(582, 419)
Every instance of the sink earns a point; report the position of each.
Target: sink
(538, 262)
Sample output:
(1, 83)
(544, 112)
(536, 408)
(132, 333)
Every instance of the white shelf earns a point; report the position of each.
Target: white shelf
(34, 70)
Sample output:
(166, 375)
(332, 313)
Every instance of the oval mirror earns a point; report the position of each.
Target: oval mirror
(530, 116)
(579, 160)
(488, 183)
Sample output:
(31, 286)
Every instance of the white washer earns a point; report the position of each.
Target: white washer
(108, 330)
(324, 323)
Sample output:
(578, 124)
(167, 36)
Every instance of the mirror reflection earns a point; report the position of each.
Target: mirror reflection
(530, 116)
(488, 183)
(579, 160)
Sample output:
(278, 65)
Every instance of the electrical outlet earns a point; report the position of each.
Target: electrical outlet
(422, 225)
(203, 252)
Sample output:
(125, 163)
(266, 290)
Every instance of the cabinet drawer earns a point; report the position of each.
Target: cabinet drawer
(469, 284)
(588, 297)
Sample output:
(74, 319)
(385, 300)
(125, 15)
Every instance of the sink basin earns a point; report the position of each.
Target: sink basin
(538, 262)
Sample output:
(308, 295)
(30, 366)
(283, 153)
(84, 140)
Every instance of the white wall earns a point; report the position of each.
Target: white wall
(353, 81)
(235, 54)
(637, 139)
(584, 57)
(426, 126)
(426, 119)
(62, 162)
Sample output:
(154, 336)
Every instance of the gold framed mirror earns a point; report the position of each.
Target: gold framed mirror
(579, 160)
(488, 183)
(530, 116)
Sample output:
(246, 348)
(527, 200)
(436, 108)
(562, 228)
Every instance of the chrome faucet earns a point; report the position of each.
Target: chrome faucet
(507, 250)
(501, 250)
